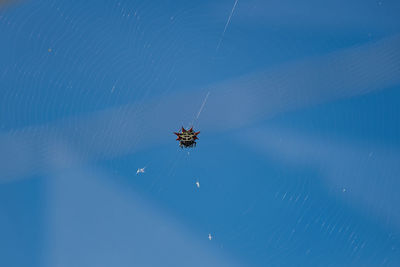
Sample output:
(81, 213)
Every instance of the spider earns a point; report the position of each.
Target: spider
(187, 138)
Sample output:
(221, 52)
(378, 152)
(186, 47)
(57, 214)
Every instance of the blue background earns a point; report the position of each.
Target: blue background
(298, 156)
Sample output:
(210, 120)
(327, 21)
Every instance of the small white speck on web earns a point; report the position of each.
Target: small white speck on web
(140, 170)
(198, 184)
(344, 190)
(210, 237)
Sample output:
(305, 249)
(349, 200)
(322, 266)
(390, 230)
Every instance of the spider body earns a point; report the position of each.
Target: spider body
(187, 138)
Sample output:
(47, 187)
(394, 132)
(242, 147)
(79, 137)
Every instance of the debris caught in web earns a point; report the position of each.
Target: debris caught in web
(140, 170)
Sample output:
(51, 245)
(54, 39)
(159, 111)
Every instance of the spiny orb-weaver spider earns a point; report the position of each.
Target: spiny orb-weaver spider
(187, 138)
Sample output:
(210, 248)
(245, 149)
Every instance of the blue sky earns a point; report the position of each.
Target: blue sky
(297, 158)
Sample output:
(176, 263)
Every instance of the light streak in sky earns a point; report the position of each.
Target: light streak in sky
(227, 23)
